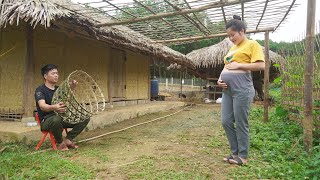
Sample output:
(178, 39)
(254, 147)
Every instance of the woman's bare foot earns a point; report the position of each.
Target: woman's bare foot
(70, 144)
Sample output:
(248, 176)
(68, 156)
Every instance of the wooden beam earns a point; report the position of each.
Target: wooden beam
(284, 17)
(308, 76)
(210, 36)
(242, 10)
(264, 10)
(224, 15)
(28, 82)
(197, 17)
(167, 22)
(162, 15)
(187, 17)
(266, 77)
(129, 14)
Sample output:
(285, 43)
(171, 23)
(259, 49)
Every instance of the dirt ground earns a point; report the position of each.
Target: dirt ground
(187, 145)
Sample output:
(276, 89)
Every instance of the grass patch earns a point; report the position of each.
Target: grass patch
(276, 150)
(95, 152)
(17, 163)
(155, 168)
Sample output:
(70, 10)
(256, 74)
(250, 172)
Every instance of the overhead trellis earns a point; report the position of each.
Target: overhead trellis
(179, 21)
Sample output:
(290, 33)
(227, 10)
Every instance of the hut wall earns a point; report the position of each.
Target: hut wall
(118, 73)
(71, 53)
(12, 58)
(137, 76)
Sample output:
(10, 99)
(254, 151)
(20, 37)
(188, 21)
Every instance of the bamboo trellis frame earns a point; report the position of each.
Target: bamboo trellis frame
(293, 74)
(182, 20)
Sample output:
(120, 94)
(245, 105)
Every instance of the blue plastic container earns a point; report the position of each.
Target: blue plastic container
(154, 87)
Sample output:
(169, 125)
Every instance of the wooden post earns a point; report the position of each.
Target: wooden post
(28, 82)
(167, 81)
(181, 85)
(207, 89)
(149, 80)
(110, 87)
(266, 77)
(192, 80)
(308, 76)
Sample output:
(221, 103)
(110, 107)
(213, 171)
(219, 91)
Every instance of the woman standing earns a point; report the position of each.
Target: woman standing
(245, 56)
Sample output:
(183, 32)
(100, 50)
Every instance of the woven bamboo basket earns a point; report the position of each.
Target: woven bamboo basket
(82, 102)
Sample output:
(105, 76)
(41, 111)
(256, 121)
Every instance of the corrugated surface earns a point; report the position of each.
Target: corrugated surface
(137, 76)
(12, 58)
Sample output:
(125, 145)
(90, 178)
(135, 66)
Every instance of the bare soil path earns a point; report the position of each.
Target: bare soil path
(187, 145)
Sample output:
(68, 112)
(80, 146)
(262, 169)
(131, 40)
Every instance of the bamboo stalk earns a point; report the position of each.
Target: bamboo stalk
(162, 15)
(210, 36)
(266, 77)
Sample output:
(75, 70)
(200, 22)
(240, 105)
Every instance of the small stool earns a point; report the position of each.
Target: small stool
(45, 133)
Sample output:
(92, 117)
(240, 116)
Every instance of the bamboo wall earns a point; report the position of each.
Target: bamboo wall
(71, 53)
(137, 76)
(12, 58)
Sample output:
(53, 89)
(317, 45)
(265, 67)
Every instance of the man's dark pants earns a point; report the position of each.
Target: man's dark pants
(55, 124)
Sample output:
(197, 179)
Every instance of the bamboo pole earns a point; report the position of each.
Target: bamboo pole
(284, 17)
(308, 76)
(210, 36)
(162, 19)
(188, 18)
(224, 16)
(242, 10)
(266, 77)
(181, 85)
(110, 85)
(186, 2)
(264, 10)
(28, 91)
(187, 11)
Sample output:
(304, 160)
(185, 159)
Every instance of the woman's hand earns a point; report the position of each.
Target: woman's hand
(222, 84)
(256, 66)
(233, 66)
(60, 107)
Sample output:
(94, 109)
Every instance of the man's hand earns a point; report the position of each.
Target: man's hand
(73, 84)
(222, 84)
(60, 107)
(233, 66)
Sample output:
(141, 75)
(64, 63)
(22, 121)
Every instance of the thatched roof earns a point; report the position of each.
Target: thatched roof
(63, 15)
(212, 56)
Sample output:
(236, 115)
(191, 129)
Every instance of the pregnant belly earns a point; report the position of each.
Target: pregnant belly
(236, 79)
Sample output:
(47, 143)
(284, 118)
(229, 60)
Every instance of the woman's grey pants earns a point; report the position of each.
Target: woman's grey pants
(235, 110)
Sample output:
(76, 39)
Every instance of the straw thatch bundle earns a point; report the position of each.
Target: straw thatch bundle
(63, 15)
(37, 11)
(212, 56)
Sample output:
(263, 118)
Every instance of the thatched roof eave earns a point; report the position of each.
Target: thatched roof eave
(212, 56)
(50, 12)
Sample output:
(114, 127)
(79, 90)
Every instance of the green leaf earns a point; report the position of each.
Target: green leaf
(280, 111)
(278, 79)
(276, 65)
